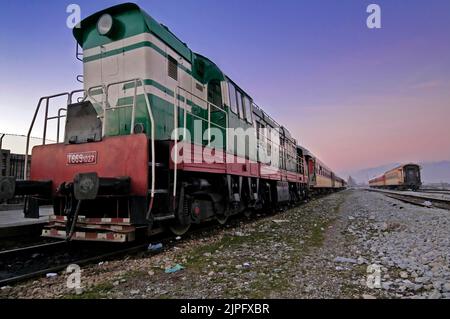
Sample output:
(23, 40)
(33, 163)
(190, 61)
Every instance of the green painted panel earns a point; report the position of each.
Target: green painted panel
(167, 36)
(153, 83)
(128, 21)
(119, 120)
(204, 70)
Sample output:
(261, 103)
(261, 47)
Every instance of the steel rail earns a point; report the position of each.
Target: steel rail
(435, 191)
(416, 199)
(80, 262)
(166, 240)
(30, 249)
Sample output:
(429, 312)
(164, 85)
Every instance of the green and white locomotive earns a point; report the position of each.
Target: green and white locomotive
(161, 137)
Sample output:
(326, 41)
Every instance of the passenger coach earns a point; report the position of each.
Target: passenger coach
(403, 177)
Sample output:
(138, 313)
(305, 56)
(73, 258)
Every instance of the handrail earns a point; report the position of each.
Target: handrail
(46, 118)
(149, 109)
(176, 106)
(208, 107)
(134, 105)
(133, 111)
(78, 53)
(175, 127)
(198, 97)
(267, 115)
(58, 117)
(105, 102)
(88, 94)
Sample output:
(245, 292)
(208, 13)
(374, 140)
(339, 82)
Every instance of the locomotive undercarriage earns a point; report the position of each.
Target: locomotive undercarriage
(95, 208)
(412, 187)
(207, 197)
(100, 209)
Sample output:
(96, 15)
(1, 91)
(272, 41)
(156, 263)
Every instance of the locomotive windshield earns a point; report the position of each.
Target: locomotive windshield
(83, 124)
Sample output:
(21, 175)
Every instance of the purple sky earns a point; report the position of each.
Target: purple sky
(356, 97)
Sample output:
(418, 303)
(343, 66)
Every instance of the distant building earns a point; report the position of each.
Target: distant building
(13, 165)
(4, 163)
(12, 155)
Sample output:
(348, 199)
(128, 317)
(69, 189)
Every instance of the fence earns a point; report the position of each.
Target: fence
(13, 165)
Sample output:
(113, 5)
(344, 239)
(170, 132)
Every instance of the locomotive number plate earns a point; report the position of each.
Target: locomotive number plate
(82, 158)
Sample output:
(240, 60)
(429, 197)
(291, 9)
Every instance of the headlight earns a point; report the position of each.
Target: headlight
(105, 24)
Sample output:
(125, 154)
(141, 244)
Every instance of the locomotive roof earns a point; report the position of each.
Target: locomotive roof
(403, 165)
(305, 151)
(266, 117)
(131, 21)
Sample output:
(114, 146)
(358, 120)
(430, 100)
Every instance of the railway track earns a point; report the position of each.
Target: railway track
(436, 191)
(21, 264)
(13, 277)
(419, 199)
(51, 252)
(30, 249)
(30, 262)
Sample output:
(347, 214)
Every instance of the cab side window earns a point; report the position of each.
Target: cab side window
(214, 93)
(239, 104)
(248, 110)
(258, 130)
(233, 104)
(269, 140)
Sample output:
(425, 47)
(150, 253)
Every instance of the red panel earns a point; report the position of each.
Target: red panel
(311, 167)
(242, 167)
(116, 157)
(219, 162)
(192, 156)
(293, 177)
(269, 172)
(191, 159)
(254, 169)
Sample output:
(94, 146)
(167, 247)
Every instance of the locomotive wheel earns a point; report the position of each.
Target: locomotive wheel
(178, 229)
(222, 219)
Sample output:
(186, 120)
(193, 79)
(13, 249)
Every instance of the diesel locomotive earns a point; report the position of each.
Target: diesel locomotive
(126, 164)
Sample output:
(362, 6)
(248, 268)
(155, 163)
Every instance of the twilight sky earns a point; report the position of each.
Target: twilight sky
(356, 97)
